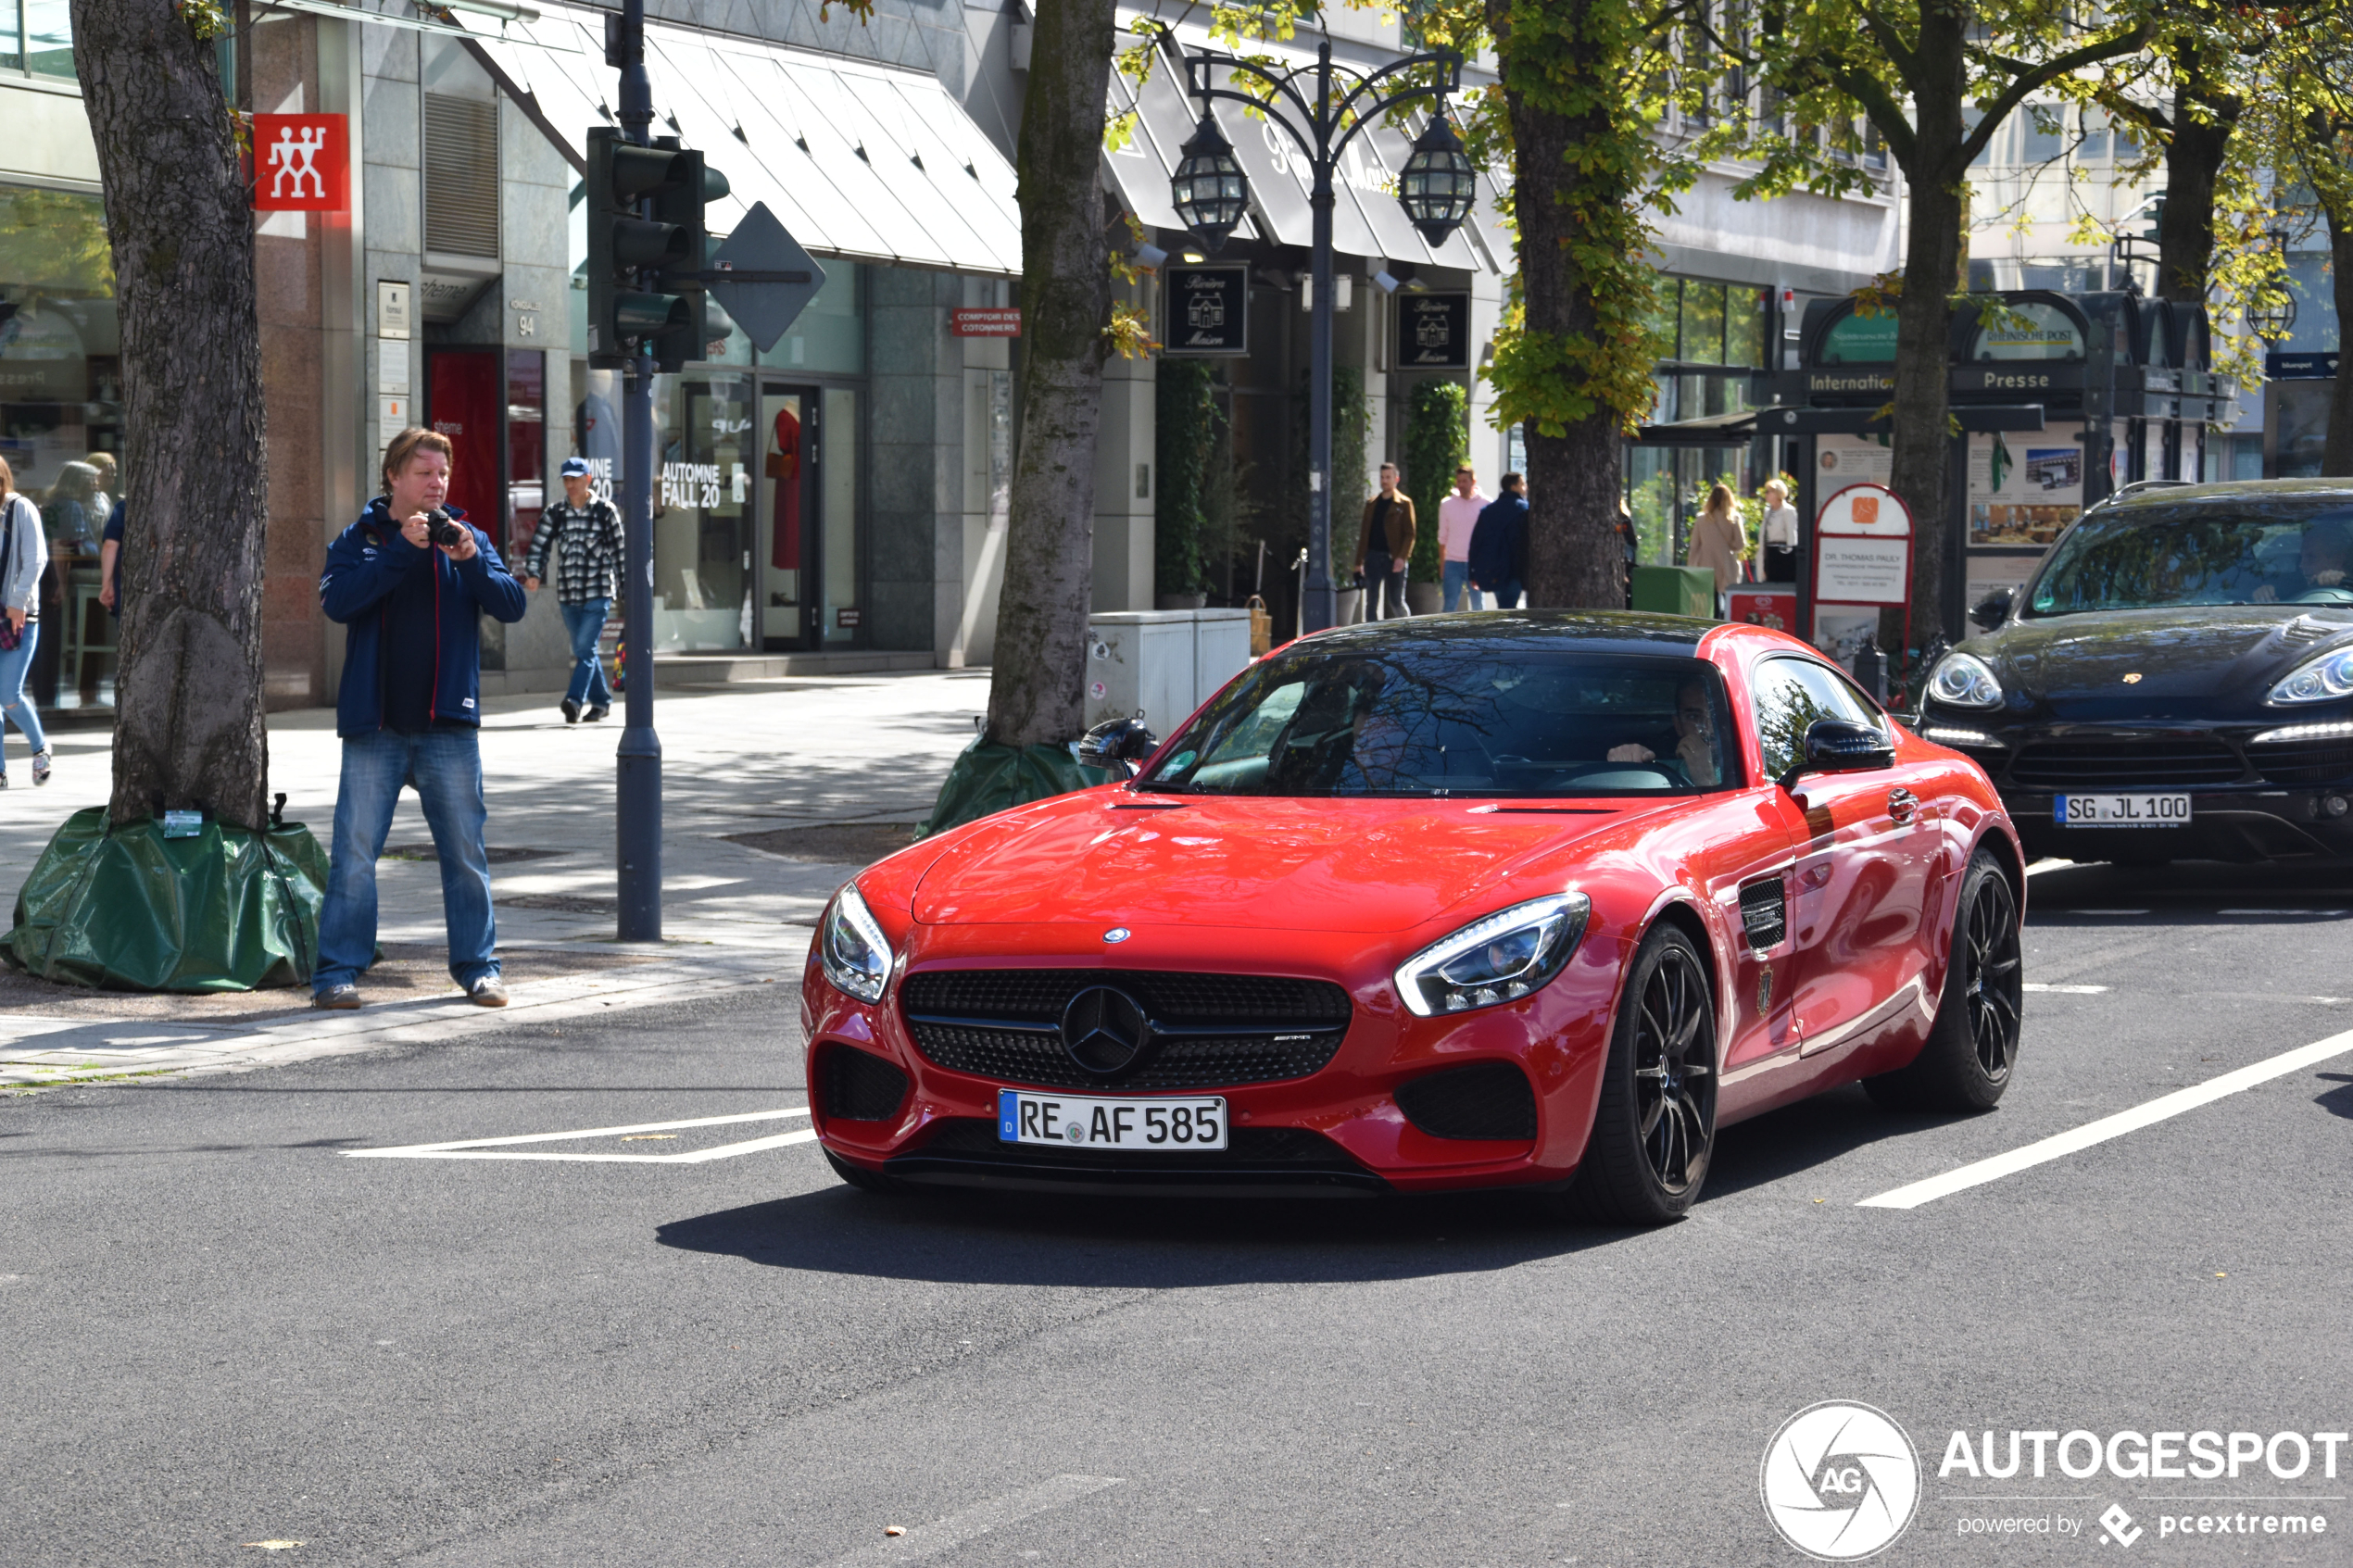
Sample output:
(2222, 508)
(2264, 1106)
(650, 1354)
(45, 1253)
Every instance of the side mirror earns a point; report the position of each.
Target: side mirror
(1836, 745)
(1991, 610)
(1116, 745)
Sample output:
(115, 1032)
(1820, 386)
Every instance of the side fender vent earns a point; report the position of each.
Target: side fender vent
(1488, 1101)
(1765, 912)
(859, 1087)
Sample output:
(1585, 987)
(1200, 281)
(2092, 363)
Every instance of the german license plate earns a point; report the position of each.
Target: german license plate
(2121, 810)
(1163, 1124)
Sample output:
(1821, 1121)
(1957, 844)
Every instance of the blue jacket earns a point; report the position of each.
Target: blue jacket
(367, 565)
(1499, 543)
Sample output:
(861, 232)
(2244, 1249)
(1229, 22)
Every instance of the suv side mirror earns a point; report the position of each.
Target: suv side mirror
(1991, 610)
(1837, 745)
(1116, 745)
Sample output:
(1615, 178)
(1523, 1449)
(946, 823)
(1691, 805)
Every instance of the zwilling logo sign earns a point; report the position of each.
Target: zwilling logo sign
(301, 163)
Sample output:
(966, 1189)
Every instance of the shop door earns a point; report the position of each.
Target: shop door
(808, 543)
(463, 402)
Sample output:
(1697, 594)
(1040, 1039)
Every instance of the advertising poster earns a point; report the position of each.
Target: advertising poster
(1840, 460)
(2024, 486)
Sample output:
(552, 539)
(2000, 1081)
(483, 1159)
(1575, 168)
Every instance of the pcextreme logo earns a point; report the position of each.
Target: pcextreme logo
(1841, 1481)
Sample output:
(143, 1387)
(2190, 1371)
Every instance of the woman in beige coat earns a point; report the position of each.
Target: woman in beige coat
(1718, 541)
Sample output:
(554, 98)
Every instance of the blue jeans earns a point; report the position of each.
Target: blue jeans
(1456, 586)
(582, 624)
(15, 707)
(1506, 594)
(445, 768)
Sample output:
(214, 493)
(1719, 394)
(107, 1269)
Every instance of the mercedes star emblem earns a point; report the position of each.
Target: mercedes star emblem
(2134, 678)
(1117, 934)
(1104, 1029)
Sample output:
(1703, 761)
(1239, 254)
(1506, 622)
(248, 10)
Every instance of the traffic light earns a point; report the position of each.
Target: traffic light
(623, 247)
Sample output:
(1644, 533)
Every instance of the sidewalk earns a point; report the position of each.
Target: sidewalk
(774, 793)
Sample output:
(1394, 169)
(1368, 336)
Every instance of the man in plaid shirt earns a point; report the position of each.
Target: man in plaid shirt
(589, 533)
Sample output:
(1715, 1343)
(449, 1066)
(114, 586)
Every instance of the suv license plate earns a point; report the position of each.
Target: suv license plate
(1165, 1125)
(2120, 810)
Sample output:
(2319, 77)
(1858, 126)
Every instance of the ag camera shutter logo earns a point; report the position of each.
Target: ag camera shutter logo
(1841, 1481)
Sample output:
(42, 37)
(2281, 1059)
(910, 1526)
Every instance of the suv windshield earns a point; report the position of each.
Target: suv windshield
(1457, 716)
(2237, 553)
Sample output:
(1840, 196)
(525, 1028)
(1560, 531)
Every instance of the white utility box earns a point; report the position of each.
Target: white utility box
(1161, 663)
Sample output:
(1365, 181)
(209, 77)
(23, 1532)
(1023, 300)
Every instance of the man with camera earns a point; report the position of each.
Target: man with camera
(409, 582)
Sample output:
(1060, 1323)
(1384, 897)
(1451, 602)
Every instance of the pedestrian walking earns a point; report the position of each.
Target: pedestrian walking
(584, 531)
(1780, 533)
(1457, 514)
(1385, 547)
(1499, 544)
(24, 560)
(409, 580)
(1718, 543)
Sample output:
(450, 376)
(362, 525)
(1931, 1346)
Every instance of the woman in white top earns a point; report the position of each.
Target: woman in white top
(1780, 533)
(24, 556)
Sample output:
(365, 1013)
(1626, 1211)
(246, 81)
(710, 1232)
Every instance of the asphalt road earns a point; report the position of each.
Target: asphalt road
(222, 1331)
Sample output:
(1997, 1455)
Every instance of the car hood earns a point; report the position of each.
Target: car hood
(2211, 662)
(1274, 864)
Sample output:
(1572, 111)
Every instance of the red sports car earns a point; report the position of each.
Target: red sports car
(1510, 899)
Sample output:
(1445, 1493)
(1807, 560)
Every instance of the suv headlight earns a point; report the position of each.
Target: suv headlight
(1963, 680)
(855, 953)
(1497, 959)
(2321, 680)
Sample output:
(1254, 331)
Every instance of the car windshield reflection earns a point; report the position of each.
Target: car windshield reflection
(1457, 716)
(2149, 558)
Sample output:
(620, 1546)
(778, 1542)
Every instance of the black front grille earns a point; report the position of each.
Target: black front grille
(860, 1086)
(2128, 765)
(1006, 1024)
(961, 1146)
(2303, 762)
(1489, 1100)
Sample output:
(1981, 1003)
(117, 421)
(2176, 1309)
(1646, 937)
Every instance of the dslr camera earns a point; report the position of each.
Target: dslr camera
(443, 530)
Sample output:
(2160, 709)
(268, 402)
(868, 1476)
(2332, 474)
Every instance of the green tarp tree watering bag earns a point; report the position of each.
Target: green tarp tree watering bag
(126, 908)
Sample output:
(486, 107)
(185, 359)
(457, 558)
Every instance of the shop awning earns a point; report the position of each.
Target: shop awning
(860, 162)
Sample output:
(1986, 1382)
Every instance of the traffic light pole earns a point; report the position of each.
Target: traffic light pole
(637, 824)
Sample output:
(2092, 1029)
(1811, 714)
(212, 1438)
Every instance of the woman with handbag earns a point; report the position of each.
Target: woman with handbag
(24, 557)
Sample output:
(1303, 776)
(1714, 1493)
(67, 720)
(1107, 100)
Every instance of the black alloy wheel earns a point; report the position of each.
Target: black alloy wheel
(1973, 1046)
(1654, 1128)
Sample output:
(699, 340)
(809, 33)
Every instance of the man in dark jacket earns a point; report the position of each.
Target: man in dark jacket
(1385, 548)
(1499, 544)
(409, 712)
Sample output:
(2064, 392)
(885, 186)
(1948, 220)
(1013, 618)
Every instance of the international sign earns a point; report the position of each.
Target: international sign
(301, 163)
(1434, 332)
(1208, 310)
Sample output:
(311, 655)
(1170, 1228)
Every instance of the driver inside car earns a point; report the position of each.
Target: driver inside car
(1695, 744)
(2319, 564)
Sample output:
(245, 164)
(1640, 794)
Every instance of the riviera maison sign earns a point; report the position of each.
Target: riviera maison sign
(1208, 310)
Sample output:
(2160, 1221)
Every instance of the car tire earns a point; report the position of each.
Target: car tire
(1973, 1046)
(1654, 1128)
(862, 1178)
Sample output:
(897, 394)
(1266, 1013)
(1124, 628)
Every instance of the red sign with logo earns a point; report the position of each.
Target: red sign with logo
(301, 163)
(985, 323)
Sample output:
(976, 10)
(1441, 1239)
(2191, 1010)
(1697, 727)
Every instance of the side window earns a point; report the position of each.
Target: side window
(1789, 695)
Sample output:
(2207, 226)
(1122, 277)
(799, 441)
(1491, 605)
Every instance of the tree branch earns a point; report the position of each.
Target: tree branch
(2035, 77)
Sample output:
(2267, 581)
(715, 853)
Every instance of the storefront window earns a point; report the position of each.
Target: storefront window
(829, 337)
(48, 33)
(526, 446)
(1703, 323)
(61, 422)
(702, 549)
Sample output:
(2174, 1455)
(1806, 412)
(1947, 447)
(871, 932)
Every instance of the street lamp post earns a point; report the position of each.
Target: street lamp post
(1436, 188)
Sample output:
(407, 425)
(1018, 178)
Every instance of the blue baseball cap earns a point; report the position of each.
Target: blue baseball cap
(574, 468)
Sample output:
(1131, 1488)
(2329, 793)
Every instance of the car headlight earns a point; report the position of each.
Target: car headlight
(2322, 679)
(1497, 959)
(855, 953)
(1963, 680)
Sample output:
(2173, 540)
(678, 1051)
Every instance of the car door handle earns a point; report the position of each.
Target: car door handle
(1901, 804)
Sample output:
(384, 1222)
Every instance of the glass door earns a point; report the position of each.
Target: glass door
(784, 539)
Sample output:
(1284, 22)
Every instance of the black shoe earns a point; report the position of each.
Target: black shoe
(596, 713)
(572, 710)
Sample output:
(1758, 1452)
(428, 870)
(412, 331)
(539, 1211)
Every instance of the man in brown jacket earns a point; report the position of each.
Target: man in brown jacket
(1385, 547)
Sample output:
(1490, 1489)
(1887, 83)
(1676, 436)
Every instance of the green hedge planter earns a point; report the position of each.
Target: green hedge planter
(988, 778)
(125, 908)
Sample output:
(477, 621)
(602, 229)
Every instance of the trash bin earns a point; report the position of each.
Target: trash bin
(1676, 590)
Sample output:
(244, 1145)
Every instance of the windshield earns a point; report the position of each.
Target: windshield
(2236, 554)
(1457, 716)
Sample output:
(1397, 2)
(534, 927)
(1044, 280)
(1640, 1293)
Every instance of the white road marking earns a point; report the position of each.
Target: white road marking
(502, 1149)
(2064, 990)
(929, 1540)
(2106, 1127)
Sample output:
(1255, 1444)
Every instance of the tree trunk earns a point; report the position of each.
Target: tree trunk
(1574, 559)
(2336, 457)
(1937, 207)
(188, 731)
(2202, 127)
(1041, 614)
